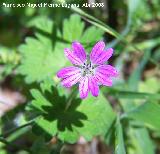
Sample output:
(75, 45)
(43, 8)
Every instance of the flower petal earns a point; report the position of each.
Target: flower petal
(72, 57)
(104, 56)
(71, 80)
(68, 71)
(79, 51)
(96, 51)
(107, 70)
(84, 87)
(93, 86)
(103, 79)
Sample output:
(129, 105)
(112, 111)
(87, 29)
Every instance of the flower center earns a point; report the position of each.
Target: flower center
(88, 69)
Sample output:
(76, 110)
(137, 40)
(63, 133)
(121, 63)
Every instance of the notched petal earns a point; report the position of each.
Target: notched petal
(72, 57)
(104, 56)
(79, 51)
(96, 51)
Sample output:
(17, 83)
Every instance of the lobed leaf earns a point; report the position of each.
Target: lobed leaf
(43, 56)
(87, 118)
(73, 28)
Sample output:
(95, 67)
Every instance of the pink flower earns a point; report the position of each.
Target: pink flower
(89, 71)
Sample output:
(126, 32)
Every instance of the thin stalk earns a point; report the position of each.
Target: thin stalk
(17, 128)
(10, 144)
(59, 148)
(2, 140)
(70, 99)
(103, 26)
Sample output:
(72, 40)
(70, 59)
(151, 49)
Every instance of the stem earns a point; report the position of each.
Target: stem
(94, 21)
(59, 148)
(72, 96)
(17, 128)
(56, 145)
(4, 141)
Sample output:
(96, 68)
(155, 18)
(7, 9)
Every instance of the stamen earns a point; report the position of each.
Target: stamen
(87, 68)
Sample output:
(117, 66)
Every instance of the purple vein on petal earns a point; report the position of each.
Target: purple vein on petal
(68, 71)
(71, 57)
(97, 50)
(104, 56)
(107, 70)
(71, 80)
(89, 74)
(104, 80)
(79, 51)
(93, 86)
(83, 87)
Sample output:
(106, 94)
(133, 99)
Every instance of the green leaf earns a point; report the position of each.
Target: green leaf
(39, 61)
(68, 124)
(147, 113)
(40, 147)
(3, 151)
(132, 6)
(140, 141)
(136, 75)
(41, 23)
(90, 33)
(132, 95)
(133, 83)
(102, 26)
(156, 55)
(45, 29)
(150, 85)
(91, 36)
(41, 57)
(46, 52)
(96, 22)
(73, 28)
(136, 143)
(119, 145)
(134, 15)
(147, 44)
